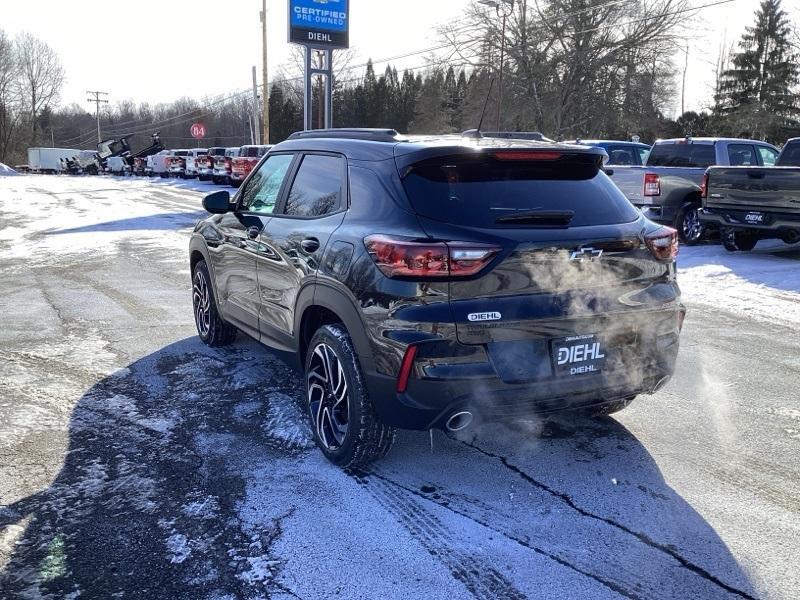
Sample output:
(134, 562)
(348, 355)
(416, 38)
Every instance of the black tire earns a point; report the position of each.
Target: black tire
(211, 328)
(690, 229)
(738, 241)
(217, 180)
(236, 184)
(343, 419)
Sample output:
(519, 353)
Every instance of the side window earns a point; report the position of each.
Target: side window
(742, 155)
(261, 193)
(317, 187)
(768, 156)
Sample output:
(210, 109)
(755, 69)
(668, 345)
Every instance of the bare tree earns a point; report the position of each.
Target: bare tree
(9, 97)
(41, 76)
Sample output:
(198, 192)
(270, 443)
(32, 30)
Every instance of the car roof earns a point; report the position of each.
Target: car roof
(582, 142)
(357, 145)
(711, 140)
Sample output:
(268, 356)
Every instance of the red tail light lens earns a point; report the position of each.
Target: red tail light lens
(399, 257)
(663, 243)
(517, 155)
(652, 185)
(704, 186)
(405, 369)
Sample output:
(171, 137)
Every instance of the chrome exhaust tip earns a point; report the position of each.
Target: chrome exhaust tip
(661, 383)
(459, 421)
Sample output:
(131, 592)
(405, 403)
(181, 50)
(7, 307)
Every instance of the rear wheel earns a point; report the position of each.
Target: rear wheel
(345, 425)
(210, 326)
(735, 241)
(689, 226)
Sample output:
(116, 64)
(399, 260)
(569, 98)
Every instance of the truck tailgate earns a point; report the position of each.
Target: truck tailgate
(768, 189)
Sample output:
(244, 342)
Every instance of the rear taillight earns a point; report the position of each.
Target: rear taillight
(405, 369)
(704, 186)
(401, 257)
(652, 185)
(518, 155)
(663, 243)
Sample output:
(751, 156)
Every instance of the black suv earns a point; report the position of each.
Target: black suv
(423, 282)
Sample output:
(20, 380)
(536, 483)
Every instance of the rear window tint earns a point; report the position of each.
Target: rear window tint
(477, 192)
(682, 155)
(790, 156)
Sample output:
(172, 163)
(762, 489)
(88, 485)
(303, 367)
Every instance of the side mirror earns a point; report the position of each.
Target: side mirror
(218, 203)
(608, 171)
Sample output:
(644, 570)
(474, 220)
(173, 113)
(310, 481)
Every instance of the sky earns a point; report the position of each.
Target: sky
(159, 51)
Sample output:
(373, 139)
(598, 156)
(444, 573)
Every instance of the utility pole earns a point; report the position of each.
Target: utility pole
(256, 131)
(265, 91)
(98, 101)
(683, 84)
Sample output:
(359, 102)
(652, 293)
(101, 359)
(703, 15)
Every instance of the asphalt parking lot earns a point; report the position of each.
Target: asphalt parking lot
(136, 462)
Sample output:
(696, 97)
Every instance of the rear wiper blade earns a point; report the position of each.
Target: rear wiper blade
(543, 217)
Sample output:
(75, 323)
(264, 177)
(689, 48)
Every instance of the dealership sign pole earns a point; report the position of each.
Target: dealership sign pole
(322, 25)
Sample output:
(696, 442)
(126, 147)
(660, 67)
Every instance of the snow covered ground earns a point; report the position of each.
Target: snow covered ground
(135, 461)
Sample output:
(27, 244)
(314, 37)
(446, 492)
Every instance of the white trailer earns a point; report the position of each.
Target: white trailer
(48, 160)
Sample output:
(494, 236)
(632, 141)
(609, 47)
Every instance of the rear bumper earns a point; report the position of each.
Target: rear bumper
(441, 388)
(238, 176)
(736, 219)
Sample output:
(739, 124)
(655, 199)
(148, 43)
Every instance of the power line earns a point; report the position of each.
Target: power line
(98, 101)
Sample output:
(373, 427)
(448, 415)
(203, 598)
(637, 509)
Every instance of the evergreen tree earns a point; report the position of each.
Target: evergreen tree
(757, 91)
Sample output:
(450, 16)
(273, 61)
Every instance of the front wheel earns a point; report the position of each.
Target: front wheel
(343, 419)
(689, 226)
(211, 328)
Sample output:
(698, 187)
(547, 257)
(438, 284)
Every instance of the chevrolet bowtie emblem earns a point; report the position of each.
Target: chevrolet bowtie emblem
(585, 255)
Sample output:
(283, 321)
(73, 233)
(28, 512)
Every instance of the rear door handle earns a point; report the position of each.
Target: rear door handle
(310, 245)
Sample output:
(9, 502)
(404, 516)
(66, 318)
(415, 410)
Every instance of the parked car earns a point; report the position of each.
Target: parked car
(177, 163)
(244, 163)
(190, 171)
(140, 166)
(755, 203)
(118, 165)
(223, 166)
(426, 282)
(161, 163)
(205, 163)
(620, 153)
(667, 187)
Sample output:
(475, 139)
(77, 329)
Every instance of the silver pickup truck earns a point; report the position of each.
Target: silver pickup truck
(667, 188)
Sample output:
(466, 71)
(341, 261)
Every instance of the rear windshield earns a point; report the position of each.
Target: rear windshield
(790, 156)
(682, 155)
(217, 152)
(478, 193)
(251, 152)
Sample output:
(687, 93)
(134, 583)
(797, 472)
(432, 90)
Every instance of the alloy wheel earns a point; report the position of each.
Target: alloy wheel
(201, 298)
(692, 226)
(327, 390)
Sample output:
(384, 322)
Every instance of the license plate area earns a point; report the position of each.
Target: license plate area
(577, 355)
(755, 218)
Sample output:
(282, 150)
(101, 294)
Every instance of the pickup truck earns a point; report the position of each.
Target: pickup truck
(222, 166)
(620, 153)
(755, 202)
(667, 187)
(205, 163)
(244, 163)
(160, 164)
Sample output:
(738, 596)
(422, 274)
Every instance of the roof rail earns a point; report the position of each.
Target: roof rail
(373, 135)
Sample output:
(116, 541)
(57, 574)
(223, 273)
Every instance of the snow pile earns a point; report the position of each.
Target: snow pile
(6, 171)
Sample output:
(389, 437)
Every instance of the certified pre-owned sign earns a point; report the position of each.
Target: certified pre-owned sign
(320, 23)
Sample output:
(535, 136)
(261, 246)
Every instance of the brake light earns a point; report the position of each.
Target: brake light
(652, 184)
(402, 257)
(527, 155)
(663, 243)
(704, 186)
(405, 369)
